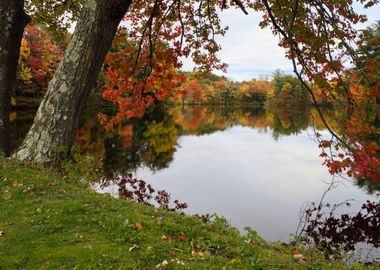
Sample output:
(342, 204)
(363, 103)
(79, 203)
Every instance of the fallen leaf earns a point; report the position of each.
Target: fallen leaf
(181, 237)
(138, 225)
(14, 184)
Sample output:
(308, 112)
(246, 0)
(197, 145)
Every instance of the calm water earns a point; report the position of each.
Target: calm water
(255, 168)
(250, 179)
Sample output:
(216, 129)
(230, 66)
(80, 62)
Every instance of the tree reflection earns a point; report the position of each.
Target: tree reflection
(290, 120)
(161, 139)
(151, 141)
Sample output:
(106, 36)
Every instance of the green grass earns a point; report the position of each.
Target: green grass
(52, 221)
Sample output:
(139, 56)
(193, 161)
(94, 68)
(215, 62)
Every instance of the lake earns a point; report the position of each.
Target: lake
(253, 167)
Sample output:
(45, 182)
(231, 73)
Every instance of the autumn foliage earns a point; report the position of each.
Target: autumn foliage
(317, 36)
(132, 86)
(143, 62)
(39, 59)
(142, 68)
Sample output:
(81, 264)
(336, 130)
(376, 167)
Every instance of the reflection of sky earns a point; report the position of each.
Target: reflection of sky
(249, 178)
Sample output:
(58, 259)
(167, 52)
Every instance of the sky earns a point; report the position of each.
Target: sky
(252, 52)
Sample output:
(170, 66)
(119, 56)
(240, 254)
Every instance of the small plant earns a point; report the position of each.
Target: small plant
(335, 232)
(139, 191)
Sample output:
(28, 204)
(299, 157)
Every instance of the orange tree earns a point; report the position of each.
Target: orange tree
(39, 58)
(134, 85)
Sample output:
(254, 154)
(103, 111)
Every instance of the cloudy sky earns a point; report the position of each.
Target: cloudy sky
(251, 51)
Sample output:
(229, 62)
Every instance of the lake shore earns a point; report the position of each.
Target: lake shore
(51, 220)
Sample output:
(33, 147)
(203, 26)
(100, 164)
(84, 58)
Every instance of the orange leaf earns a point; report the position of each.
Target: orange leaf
(138, 225)
(181, 237)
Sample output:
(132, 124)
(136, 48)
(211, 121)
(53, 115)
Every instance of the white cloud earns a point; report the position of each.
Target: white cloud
(248, 50)
(251, 51)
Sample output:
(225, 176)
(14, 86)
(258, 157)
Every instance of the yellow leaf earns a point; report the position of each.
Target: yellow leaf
(12, 116)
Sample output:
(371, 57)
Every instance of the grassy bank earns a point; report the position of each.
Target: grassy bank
(51, 221)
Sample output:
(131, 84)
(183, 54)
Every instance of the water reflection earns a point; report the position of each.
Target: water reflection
(256, 167)
(252, 166)
(152, 141)
(250, 179)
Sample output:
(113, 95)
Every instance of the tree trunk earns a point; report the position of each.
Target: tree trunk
(57, 118)
(12, 23)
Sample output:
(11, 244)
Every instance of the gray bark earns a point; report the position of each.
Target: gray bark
(12, 23)
(57, 118)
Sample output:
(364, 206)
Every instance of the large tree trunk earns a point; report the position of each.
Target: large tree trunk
(12, 23)
(57, 117)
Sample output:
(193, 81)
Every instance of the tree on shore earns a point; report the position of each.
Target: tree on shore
(14, 16)
(57, 117)
(56, 121)
(315, 34)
